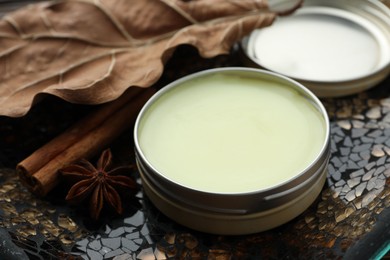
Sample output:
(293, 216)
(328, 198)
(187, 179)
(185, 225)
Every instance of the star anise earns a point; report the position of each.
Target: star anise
(99, 184)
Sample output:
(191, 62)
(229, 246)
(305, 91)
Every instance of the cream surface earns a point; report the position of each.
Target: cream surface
(229, 134)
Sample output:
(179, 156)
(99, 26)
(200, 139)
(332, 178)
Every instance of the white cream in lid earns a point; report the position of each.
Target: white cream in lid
(321, 44)
(226, 133)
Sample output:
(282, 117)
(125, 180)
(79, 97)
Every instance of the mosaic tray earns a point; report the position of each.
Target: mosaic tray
(349, 220)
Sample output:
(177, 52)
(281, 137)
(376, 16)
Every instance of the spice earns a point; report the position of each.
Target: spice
(99, 184)
(39, 171)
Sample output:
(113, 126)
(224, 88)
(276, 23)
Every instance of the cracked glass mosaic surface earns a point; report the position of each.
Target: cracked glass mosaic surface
(350, 219)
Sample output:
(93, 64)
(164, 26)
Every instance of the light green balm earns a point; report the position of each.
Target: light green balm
(230, 134)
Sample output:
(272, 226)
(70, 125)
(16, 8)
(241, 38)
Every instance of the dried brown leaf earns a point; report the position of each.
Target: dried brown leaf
(91, 51)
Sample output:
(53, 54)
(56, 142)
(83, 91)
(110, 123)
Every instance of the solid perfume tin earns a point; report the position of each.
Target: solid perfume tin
(232, 150)
(334, 47)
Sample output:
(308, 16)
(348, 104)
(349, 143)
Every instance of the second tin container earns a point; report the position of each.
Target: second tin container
(334, 47)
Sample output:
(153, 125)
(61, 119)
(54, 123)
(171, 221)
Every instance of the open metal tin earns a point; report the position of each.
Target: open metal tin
(236, 212)
(333, 47)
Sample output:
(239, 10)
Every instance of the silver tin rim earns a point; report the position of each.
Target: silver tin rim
(233, 224)
(245, 202)
(374, 12)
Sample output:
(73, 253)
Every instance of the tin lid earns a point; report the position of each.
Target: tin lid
(334, 47)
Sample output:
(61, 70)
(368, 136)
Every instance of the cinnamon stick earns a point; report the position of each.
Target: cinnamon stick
(39, 171)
